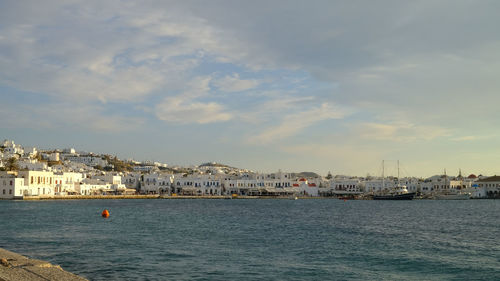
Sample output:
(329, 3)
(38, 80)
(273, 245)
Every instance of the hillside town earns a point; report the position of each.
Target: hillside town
(29, 172)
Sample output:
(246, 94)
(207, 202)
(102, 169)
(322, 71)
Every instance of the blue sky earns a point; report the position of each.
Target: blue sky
(266, 85)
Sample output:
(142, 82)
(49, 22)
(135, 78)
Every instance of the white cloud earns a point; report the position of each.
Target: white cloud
(185, 107)
(233, 83)
(294, 123)
(67, 115)
(172, 110)
(400, 132)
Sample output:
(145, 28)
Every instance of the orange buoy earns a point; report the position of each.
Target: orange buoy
(105, 213)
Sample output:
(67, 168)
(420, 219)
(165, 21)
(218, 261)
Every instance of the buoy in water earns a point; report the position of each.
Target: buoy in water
(105, 214)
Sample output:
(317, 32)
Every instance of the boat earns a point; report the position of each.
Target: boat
(453, 195)
(399, 192)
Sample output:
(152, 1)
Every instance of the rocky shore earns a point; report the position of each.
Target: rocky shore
(15, 267)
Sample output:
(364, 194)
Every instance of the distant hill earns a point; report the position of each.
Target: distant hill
(213, 164)
(305, 175)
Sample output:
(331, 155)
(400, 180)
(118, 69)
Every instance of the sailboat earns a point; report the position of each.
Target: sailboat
(399, 192)
(451, 194)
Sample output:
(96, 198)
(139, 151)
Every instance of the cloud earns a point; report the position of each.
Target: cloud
(472, 138)
(185, 107)
(400, 132)
(67, 116)
(294, 123)
(233, 83)
(173, 110)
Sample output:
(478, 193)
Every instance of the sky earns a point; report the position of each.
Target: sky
(266, 85)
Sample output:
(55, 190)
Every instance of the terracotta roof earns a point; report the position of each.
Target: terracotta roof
(490, 179)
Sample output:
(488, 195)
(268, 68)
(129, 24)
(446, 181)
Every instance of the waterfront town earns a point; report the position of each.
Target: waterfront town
(31, 173)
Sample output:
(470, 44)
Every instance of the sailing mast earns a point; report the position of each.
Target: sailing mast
(383, 177)
(398, 174)
(445, 179)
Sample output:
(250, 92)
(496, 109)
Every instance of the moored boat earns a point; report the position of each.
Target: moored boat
(400, 196)
(453, 196)
(399, 192)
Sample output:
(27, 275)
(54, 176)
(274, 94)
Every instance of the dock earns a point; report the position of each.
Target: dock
(16, 267)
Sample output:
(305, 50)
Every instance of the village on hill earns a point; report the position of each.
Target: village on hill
(29, 172)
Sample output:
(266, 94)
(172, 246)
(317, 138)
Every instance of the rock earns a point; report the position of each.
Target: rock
(15, 267)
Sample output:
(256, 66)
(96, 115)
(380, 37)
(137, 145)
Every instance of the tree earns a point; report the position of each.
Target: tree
(12, 164)
(329, 176)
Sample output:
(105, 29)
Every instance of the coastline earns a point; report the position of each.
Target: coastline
(156, 196)
(16, 267)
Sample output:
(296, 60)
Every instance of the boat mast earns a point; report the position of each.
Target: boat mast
(445, 179)
(398, 174)
(383, 178)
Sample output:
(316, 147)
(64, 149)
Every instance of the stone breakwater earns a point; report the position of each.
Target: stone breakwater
(15, 267)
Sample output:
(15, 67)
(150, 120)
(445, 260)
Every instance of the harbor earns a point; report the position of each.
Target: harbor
(270, 239)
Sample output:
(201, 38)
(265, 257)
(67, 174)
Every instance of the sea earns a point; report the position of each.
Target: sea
(267, 239)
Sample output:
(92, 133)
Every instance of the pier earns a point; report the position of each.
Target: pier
(16, 267)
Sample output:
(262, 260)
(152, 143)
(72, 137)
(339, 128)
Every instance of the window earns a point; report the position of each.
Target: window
(11, 183)
(4, 191)
(10, 191)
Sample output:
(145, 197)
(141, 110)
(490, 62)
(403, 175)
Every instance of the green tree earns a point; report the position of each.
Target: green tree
(12, 164)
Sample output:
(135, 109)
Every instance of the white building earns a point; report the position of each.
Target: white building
(145, 168)
(488, 187)
(10, 186)
(52, 156)
(89, 160)
(11, 148)
(32, 164)
(343, 186)
(67, 182)
(197, 185)
(156, 183)
(132, 180)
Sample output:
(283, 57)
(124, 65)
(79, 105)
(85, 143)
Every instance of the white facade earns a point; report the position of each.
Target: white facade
(54, 156)
(156, 183)
(146, 169)
(132, 180)
(67, 182)
(345, 186)
(197, 185)
(89, 160)
(10, 186)
(11, 148)
(32, 164)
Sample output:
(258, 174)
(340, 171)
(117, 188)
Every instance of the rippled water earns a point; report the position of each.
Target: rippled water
(259, 239)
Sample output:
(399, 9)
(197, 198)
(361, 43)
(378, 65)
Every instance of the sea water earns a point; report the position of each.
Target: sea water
(259, 239)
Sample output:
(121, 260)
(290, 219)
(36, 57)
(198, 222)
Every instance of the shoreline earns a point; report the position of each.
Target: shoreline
(15, 267)
(156, 196)
(183, 197)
